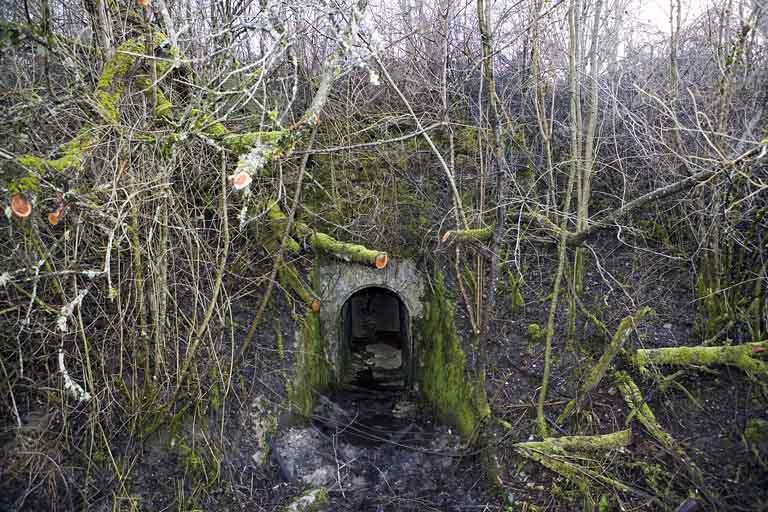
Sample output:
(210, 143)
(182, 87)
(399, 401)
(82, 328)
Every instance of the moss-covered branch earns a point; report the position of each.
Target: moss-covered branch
(112, 82)
(73, 155)
(343, 250)
(598, 371)
(108, 93)
(748, 357)
(322, 242)
(289, 278)
(558, 453)
(468, 235)
(640, 411)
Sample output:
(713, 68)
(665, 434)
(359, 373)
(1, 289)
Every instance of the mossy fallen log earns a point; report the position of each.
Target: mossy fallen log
(748, 357)
(323, 242)
(558, 454)
(486, 233)
(598, 371)
(468, 235)
(640, 411)
(343, 250)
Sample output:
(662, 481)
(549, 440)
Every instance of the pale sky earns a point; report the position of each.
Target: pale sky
(655, 13)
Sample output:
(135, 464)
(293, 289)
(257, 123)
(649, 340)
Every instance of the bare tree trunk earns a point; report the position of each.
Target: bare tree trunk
(500, 166)
(541, 420)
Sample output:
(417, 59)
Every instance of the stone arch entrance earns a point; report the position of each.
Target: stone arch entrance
(376, 344)
(342, 287)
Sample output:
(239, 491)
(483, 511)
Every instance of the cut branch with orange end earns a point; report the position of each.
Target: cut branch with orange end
(20, 206)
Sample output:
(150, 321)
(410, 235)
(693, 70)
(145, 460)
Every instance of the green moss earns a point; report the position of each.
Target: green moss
(596, 374)
(190, 460)
(515, 281)
(313, 372)
(456, 397)
(314, 500)
(204, 122)
(756, 431)
(111, 84)
(466, 139)
(468, 276)
(242, 142)
(289, 278)
(557, 454)
(738, 356)
(536, 333)
(99, 457)
(73, 155)
(163, 106)
(27, 183)
(640, 411)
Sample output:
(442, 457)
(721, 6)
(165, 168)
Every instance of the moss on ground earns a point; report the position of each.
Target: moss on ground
(756, 431)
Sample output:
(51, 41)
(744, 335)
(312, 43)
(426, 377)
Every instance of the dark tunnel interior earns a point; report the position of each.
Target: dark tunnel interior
(376, 340)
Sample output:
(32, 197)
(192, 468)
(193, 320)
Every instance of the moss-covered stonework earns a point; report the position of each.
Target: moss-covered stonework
(335, 282)
(367, 186)
(442, 374)
(313, 372)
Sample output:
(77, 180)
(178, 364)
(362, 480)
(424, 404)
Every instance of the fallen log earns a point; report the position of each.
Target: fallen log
(556, 453)
(640, 411)
(746, 357)
(599, 370)
(468, 235)
(323, 242)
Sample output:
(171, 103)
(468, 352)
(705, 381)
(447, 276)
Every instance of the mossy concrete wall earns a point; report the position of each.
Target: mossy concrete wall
(457, 395)
(335, 282)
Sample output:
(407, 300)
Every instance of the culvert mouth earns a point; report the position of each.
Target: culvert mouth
(374, 404)
(375, 341)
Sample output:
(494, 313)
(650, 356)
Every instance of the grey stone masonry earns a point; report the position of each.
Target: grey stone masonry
(336, 282)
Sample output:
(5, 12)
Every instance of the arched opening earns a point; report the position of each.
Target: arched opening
(376, 346)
